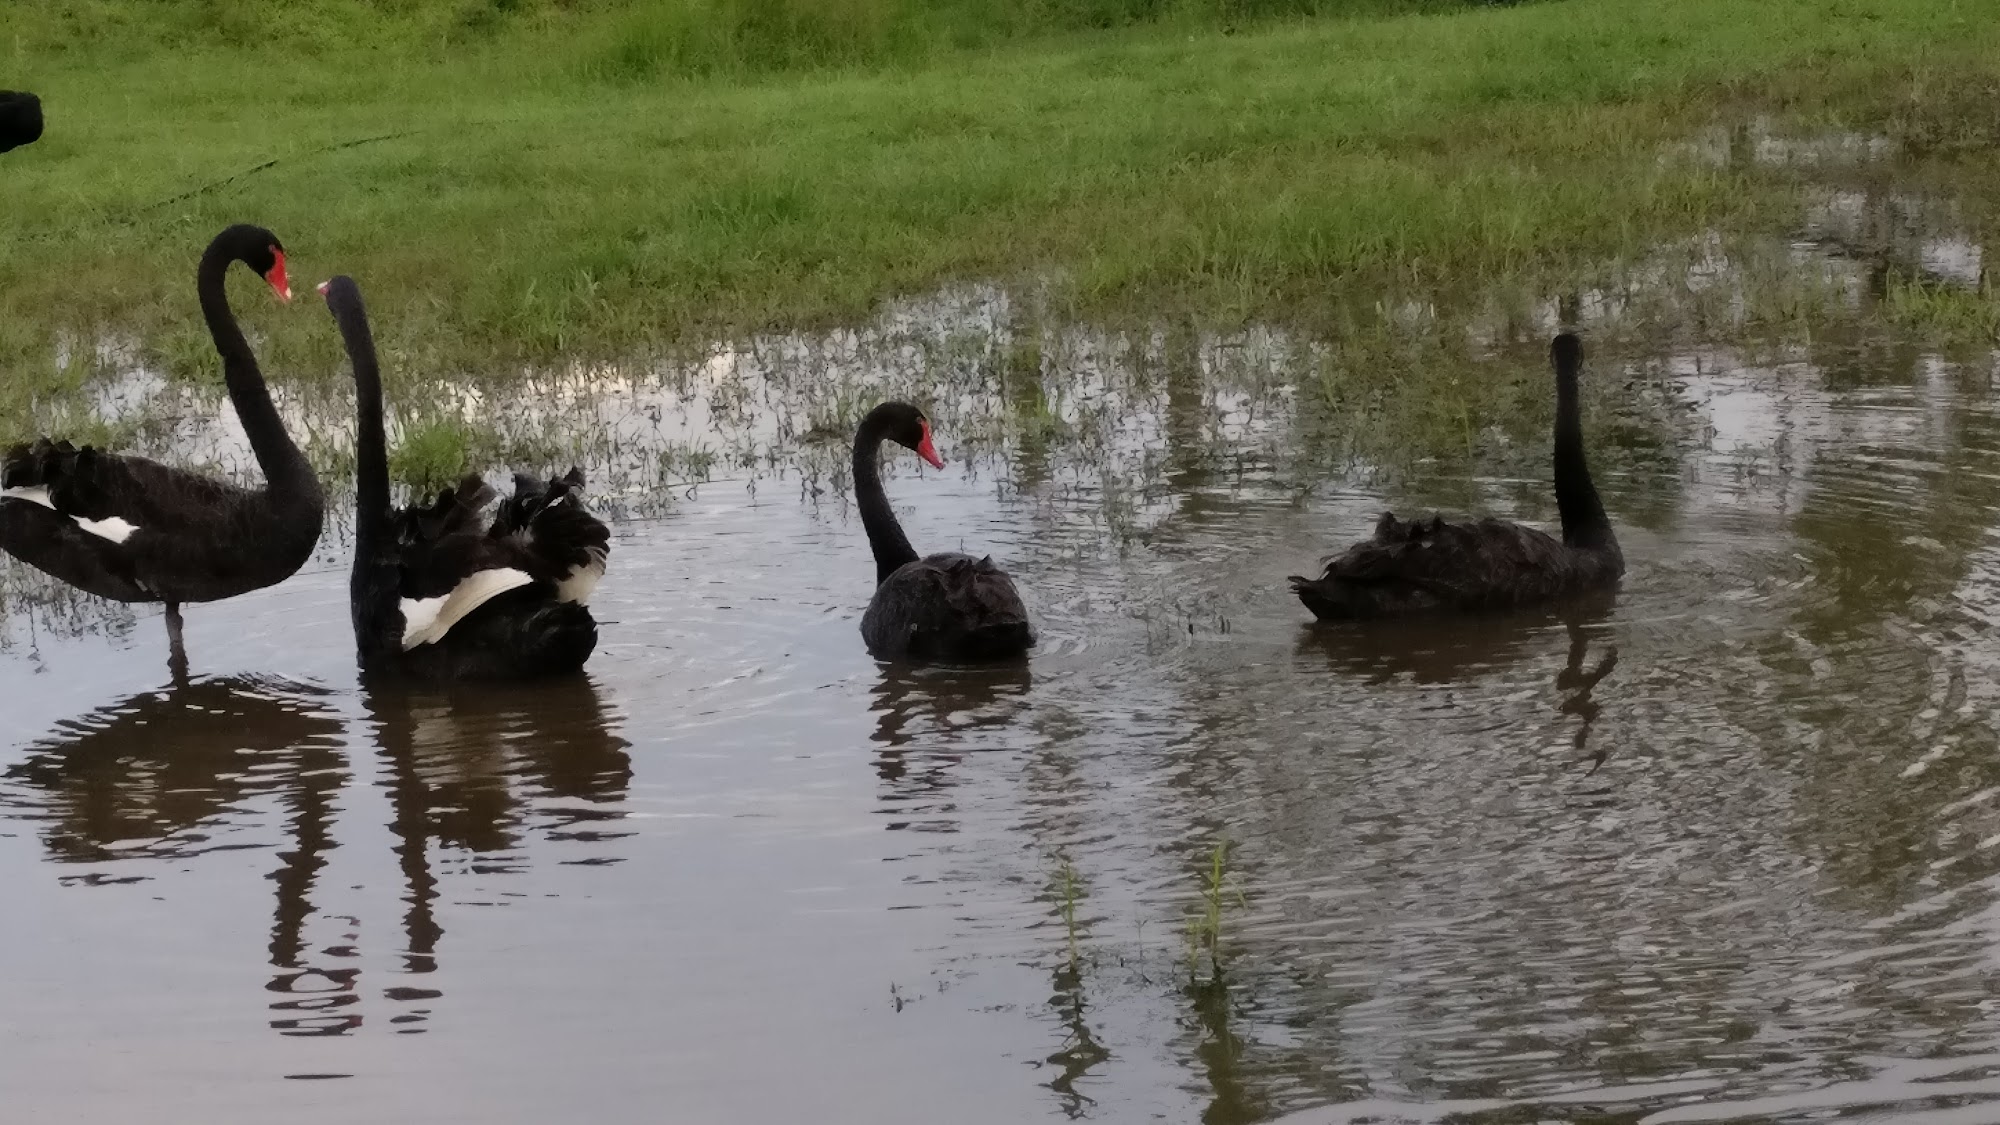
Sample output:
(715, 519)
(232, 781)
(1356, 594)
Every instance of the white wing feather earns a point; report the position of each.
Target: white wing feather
(36, 495)
(427, 620)
(582, 581)
(115, 528)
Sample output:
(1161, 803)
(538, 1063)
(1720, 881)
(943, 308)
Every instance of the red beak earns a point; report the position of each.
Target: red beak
(280, 284)
(927, 451)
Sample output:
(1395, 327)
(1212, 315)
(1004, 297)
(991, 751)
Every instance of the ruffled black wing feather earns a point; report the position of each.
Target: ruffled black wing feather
(1418, 566)
(92, 484)
(556, 535)
(948, 607)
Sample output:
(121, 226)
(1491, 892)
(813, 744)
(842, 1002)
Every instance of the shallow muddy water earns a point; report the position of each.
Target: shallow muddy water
(1722, 848)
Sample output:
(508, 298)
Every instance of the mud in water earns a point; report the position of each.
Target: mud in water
(1720, 848)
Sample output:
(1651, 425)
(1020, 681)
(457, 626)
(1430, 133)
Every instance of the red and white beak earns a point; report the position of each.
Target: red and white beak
(275, 276)
(927, 451)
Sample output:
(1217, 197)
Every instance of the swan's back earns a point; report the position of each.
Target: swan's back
(131, 529)
(523, 634)
(947, 607)
(525, 627)
(554, 535)
(1420, 566)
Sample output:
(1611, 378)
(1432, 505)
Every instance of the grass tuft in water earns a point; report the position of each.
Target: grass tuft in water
(1204, 926)
(687, 465)
(432, 454)
(1070, 890)
(1951, 314)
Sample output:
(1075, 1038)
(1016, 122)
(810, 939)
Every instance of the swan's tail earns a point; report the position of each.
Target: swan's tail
(34, 466)
(560, 637)
(994, 622)
(568, 544)
(520, 635)
(549, 641)
(74, 480)
(517, 513)
(997, 640)
(455, 511)
(1327, 598)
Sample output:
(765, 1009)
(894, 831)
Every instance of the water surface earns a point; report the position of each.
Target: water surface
(1722, 847)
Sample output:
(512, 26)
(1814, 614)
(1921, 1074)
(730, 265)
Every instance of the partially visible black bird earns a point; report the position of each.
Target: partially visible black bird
(20, 119)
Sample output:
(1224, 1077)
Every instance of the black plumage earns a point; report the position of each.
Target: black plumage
(20, 119)
(522, 581)
(939, 607)
(554, 537)
(1429, 565)
(133, 530)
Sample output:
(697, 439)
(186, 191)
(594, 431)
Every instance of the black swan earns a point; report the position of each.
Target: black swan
(435, 596)
(1422, 566)
(20, 119)
(133, 530)
(939, 607)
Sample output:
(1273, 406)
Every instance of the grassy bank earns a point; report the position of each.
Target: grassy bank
(507, 197)
(630, 39)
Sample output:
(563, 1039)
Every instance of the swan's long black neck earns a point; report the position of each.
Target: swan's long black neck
(373, 587)
(286, 470)
(885, 535)
(1584, 523)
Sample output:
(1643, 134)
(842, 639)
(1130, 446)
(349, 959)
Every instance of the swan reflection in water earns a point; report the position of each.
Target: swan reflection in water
(1454, 649)
(919, 712)
(169, 773)
(177, 772)
(476, 769)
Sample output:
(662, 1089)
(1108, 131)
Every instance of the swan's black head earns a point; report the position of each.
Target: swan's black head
(1566, 352)
(906, 426)
(261, 251)
(340, 291)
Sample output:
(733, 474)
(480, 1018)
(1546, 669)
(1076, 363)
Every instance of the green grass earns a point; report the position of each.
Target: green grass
(500, 195)
(1204, 927)
(431, 455)
(1950, 314)
(1072, 894)
(638, 39)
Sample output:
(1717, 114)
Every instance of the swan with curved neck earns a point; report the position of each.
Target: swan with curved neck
(436, 597)
(1428, 566)
(133, 530)
(938, 607)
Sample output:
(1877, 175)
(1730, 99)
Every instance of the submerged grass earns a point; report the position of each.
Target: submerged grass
(1069, 890)
(1204, 927)
(431, 455)
(1952, 314)
(507, 201)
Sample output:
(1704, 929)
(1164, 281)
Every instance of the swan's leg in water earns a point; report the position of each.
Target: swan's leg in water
(177, 660)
